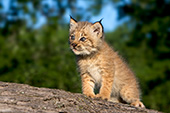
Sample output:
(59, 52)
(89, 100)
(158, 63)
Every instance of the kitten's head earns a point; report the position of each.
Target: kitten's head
(85, 38)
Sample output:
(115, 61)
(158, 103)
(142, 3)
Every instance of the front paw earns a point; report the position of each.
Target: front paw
(91, 95)
(103, 97)
(138, 104)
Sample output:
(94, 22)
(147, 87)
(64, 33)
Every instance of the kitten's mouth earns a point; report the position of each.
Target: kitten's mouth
(80, 50)
(75, 49)
(77, 52)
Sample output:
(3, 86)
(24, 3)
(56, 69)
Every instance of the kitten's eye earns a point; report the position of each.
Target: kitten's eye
(72, 37)
(82, 39)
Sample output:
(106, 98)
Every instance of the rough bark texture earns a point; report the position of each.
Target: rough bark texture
(21, 98)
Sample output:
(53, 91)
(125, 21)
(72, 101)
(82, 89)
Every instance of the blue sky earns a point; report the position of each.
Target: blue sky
(108, 12)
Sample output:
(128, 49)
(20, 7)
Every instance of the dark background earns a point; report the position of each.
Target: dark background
(40, 56)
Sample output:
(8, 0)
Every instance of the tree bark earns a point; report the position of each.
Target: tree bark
(21, 98)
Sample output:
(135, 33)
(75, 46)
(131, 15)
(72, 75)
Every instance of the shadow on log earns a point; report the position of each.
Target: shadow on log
(21, 98)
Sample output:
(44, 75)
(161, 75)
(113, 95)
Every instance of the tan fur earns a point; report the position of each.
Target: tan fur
(101, 65)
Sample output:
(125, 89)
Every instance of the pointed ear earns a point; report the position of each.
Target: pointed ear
(73, 22)
(98, 28)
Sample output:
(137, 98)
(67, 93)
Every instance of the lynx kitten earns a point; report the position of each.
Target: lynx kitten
(99, 64)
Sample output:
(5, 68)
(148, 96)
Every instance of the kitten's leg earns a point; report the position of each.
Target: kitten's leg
(106, 87)
(131, 95)
(88, 85)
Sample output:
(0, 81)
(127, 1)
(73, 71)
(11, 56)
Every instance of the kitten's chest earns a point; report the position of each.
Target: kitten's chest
(93, 68)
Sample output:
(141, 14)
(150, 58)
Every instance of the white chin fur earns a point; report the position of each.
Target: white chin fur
(84, 52)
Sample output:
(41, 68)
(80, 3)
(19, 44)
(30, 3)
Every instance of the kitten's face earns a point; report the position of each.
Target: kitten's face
(85, 38)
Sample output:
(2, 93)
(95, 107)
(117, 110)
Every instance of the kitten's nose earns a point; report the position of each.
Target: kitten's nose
(74, 45)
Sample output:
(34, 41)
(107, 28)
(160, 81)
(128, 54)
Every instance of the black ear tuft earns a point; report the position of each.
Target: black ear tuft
(100, 21)
(73, 18)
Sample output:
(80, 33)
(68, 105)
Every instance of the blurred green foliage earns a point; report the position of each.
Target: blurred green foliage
(41, 57)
